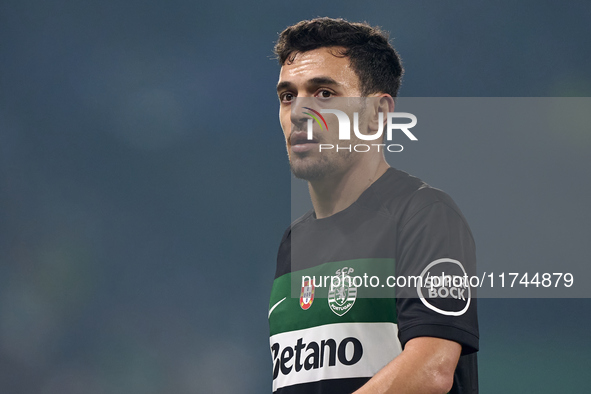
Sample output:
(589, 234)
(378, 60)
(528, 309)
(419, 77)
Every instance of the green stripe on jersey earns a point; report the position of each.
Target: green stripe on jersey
(360, 270)
(370, 305)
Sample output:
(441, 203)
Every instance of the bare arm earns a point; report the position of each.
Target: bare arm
(426, 365)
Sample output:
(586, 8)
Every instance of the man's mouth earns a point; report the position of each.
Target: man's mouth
(301, 139)
(300, 143)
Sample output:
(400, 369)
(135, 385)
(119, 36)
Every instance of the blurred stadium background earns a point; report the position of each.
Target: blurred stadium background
(144, 185)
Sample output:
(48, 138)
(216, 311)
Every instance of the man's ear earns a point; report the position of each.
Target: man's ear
(383, 103)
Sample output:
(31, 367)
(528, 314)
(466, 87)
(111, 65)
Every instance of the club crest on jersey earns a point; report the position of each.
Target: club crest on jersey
(307, 295)
(342, 293)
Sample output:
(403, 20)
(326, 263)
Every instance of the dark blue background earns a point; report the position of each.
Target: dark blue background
(144, 185)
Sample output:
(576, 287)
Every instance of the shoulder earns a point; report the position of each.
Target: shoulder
(301, 221)
(402, 197)
(430, 198)
(397, 192)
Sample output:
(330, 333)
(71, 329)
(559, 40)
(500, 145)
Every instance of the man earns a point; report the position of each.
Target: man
(366, 217)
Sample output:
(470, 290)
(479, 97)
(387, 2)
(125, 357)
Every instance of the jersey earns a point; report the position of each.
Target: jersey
(403, 251)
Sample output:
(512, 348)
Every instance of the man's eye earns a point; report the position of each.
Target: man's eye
(287, 97)
(325, 93)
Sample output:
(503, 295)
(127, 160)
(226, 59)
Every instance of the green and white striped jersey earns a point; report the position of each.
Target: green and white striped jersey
(351, 289)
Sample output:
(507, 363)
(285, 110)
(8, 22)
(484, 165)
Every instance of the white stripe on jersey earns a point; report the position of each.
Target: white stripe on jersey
(357, 350)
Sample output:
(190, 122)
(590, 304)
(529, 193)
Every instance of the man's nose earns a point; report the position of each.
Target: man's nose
(300, 111)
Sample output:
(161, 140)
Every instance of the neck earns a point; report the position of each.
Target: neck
(337, 192)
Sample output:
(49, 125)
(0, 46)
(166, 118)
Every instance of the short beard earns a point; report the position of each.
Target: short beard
(320, 169)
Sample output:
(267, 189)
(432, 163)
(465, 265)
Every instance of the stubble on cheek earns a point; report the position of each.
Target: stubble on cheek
(317, 165)
(314, 164)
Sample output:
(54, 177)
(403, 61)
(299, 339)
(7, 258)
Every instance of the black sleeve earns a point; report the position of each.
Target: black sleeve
(434, 240)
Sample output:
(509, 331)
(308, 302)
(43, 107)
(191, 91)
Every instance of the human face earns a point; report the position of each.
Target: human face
(315, 74)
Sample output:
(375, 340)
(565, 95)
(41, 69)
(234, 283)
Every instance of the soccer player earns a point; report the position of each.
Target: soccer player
(367, 217)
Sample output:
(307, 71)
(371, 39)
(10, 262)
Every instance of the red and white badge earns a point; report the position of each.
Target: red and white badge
(307, 295)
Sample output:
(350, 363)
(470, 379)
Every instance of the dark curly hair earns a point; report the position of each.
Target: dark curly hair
(372, 57)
